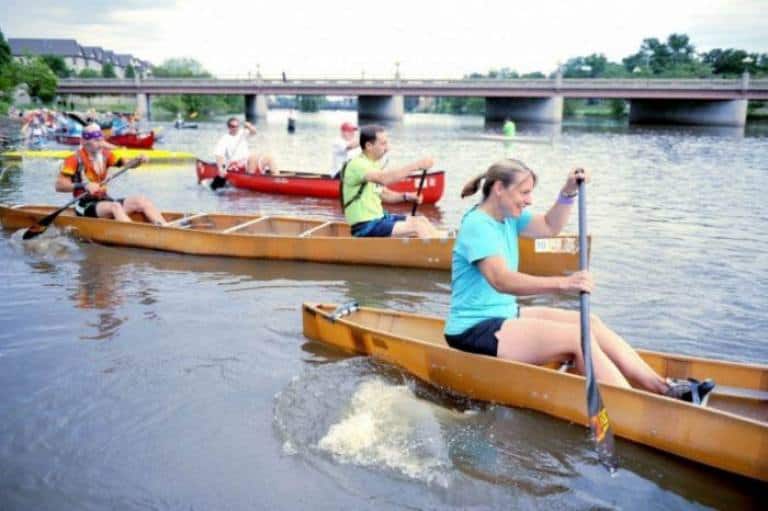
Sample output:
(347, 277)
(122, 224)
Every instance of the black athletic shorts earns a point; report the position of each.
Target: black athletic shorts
(87, 205)
(480, 338)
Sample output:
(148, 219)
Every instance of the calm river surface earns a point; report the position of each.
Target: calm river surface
(132, 379)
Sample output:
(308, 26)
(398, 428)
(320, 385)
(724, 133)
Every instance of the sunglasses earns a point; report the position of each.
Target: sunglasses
(92, 135)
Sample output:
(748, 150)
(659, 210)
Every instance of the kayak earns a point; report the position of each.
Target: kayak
(309, 184)
(133, 140)
(729, 432)
(286, 238)
(155, 156)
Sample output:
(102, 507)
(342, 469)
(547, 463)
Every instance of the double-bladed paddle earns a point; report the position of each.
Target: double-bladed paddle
(418, 192)
(600, 426)
(41, 226)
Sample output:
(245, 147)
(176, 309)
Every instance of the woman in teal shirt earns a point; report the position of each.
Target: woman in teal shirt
(484, 316)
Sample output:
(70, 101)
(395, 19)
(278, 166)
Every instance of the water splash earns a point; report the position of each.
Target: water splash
(52, 245)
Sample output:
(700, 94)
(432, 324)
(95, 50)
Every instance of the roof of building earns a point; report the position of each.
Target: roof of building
(59, 47)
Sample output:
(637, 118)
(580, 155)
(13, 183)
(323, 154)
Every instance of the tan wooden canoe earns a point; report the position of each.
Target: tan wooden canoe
(287, 238)
(730, 432)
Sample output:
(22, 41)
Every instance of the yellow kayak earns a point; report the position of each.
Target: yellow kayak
(155, 156)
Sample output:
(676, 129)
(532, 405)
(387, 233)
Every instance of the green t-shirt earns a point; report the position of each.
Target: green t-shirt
(368, 206)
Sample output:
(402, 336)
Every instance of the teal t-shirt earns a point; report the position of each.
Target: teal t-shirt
(473, 299)
(368, 206)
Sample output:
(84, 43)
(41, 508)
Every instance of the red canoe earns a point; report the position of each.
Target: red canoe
(132, 141)
(67, 140)
(310, 184)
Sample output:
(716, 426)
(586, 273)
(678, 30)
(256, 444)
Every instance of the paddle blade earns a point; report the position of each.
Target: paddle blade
(600, 427)
(40, 227)
(218, 182)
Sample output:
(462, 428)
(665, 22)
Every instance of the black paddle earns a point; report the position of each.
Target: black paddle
(41, 226)
(219, 181)
(75, 118)
(602, 432)
(418, 192)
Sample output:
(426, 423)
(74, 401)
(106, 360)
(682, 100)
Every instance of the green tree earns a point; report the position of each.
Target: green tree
(41, 81)
(89, 73)
(108, 70)
(5, 52)
(57, 65)
(180, 68)
(130, 72)
(309, 103)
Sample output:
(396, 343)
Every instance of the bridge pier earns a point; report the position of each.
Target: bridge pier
(730, 112)
(255, 107)
(549, 110)
(380, 108)
(144, 106)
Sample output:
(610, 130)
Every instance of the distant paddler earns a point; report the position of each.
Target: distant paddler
(508, 128)
(364, 188)
(232, 151)
(484, 315)
(84, 173)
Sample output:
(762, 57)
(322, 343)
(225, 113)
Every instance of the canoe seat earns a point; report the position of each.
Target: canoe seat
(243, 225)
(183, 222)
(313, 229)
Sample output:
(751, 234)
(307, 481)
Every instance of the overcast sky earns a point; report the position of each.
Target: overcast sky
(344, 38)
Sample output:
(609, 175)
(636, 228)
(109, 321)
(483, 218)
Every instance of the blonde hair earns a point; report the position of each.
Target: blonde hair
(509, 171)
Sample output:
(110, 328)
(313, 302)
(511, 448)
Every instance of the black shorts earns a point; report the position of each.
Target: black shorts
(480, 338)
(87, 205)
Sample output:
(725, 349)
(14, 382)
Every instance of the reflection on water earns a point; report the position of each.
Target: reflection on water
(193, 349)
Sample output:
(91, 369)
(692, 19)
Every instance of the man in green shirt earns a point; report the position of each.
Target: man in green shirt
(362, 201)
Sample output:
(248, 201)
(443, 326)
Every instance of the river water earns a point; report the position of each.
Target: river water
(133, 379)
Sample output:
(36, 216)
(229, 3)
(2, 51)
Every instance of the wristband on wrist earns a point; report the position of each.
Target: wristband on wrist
(566, 200)
(569, 195)
(78, 186)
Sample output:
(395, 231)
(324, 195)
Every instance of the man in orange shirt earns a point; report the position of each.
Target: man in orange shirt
(83, 173)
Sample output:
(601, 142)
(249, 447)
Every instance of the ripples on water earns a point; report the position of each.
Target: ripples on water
(135, 379)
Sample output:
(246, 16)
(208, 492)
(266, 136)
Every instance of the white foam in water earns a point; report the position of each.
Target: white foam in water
(53, 244)
(386, 425)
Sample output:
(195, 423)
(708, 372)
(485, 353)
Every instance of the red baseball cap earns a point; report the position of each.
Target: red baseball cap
(347, 126)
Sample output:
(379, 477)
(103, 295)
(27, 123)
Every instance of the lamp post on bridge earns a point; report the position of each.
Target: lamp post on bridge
(745, 75)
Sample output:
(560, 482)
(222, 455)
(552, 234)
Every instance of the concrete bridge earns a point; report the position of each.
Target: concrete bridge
(665, 101)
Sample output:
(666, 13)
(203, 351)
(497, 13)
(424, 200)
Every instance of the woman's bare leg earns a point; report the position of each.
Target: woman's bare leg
(538, 341)
(612, 344)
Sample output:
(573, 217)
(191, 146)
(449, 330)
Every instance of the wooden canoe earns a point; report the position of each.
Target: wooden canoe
(311, 184)
(287, 238)
(154, 155)
(729, 433)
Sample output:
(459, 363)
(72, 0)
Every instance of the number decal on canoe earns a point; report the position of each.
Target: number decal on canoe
(556, 245)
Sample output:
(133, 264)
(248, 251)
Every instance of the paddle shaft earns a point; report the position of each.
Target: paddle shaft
(418, 192)
(598, 417)
(43, 224)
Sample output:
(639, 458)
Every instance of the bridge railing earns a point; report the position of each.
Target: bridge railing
(567, 83)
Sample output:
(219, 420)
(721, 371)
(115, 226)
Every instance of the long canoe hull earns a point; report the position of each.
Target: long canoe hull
(287, 238)
(730, 433)
(133, 140)
(155, 156)
(308, 184)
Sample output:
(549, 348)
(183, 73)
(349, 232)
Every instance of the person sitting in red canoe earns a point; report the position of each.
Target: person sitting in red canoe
(361, 196)
(344, 148)
(232, 151)
(83, 173)
(484, 316)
